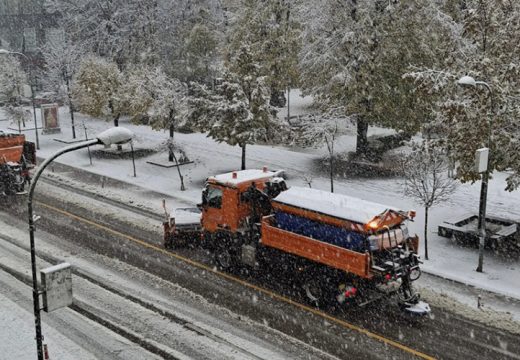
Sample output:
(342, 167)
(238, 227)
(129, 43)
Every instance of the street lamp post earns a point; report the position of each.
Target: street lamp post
(31, 80)
(111, 136)
(469, 81)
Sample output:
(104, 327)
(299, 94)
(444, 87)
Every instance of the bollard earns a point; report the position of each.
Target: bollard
(45, 352)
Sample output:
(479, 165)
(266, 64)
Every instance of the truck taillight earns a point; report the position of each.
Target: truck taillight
(350, 292)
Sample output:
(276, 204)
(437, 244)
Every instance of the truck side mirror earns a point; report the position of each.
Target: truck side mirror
(204, 197)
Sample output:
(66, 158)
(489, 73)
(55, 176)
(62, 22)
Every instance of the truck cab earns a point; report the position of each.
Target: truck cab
(225, 206)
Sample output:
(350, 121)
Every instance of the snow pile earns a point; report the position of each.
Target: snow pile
(484, 315)
(115, 135)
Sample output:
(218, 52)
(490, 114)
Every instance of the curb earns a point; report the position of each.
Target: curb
(505, 296)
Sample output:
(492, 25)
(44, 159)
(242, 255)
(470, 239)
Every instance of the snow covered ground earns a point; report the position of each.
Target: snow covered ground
(446, 258)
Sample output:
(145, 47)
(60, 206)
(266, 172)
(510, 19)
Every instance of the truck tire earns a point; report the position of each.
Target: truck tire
(226, 257)
(316, 293)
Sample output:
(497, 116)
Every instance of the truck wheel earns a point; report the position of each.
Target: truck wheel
(314, 292)
(168, 242)
(224, 258)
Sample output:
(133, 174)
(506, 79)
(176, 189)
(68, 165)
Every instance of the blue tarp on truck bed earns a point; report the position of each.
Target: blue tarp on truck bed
(327, 233)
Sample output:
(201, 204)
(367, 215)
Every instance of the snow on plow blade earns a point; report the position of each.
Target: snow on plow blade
(420, 308)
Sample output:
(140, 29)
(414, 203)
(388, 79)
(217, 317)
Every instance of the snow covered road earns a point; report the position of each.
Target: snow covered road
(211, 295)
(160, 323)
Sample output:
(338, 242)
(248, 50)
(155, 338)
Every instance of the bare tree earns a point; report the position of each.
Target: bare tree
(321, 129)
(426, 180)
(61, 61)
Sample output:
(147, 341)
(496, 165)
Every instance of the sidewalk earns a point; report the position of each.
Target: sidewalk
(17, 329)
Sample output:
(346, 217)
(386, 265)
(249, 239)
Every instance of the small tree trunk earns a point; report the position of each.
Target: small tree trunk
(288, 105)
(116, 124)
(170, 154)
(71, 107)
(362, 140)
(179, 171)
(243, 146)
(331, 172)
(426, 232)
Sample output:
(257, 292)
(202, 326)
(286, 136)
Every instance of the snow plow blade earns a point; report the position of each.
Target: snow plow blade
(418, 309)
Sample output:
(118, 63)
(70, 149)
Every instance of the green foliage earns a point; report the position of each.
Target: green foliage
(471, 118)
(273, 37)
(97, 88)
(200, 50)
(355, 56)
(231, 113)
(151, 92)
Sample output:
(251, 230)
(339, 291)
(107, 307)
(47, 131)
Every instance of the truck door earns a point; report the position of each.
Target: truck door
(212, 212)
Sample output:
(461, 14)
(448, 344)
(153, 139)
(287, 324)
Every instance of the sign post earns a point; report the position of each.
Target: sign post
(51, 123)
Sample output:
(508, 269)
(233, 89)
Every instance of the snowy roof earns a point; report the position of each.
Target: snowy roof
(242, 176)
(338, 205)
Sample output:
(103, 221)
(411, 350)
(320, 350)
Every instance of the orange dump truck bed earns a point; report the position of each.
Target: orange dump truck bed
(315, 250)
(333, 229)
(11, 147)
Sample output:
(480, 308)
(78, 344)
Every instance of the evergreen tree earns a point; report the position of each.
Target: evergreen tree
(200, 47)
(355, 54)
(273, 37)
(471, 118)
(238, 111)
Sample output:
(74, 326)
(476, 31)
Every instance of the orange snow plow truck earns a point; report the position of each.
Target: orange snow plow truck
(17, 157)
(335, 248)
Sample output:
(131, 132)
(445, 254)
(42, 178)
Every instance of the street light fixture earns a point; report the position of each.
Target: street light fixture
(470, 81)
(111, 136)
(31, 80)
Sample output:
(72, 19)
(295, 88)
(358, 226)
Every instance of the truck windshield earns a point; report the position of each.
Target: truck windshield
(213, 197)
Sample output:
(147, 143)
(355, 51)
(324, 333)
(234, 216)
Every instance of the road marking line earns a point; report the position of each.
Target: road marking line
(244, 283)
